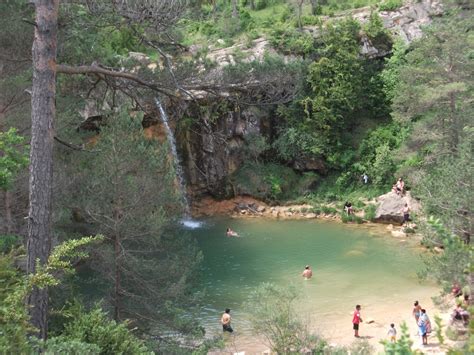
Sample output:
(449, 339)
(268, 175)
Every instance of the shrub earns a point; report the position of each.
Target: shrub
(273, 315)
(58, 345)
(9, 242)
(390, 5)
(369, 212)
(346, 218)
(292, 41)
(111, 337)
(266, 181)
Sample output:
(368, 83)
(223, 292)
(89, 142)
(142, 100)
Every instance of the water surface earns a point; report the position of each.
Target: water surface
(351, 265)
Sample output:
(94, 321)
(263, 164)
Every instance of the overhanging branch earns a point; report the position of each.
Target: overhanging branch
(97, 70)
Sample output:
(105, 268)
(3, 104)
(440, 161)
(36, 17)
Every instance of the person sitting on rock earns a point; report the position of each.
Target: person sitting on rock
(460, 314)
(400, 187)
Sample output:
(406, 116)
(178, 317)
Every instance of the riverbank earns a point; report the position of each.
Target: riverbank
(249, 207)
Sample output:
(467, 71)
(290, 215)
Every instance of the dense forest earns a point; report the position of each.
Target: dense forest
(281, 100)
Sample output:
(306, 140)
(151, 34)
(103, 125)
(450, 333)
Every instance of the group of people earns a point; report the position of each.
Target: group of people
(421, 318)
(422, 321)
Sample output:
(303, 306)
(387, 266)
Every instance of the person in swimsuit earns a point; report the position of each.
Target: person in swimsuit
(225, 321)
(307, 272)
(416, 311)
(400, 186)
(406, 214)
(231, 233)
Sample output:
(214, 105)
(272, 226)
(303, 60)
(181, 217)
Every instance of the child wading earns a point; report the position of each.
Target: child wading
(356, 320)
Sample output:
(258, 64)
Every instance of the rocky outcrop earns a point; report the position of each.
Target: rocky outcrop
(390, 205)
(405, 23)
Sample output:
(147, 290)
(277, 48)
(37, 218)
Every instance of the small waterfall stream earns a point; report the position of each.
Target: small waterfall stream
(186, 221)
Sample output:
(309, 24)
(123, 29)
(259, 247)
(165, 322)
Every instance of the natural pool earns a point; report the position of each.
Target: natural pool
(351, 265)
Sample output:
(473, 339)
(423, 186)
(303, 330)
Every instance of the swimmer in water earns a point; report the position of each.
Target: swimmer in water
(307, 273)
(231, 233)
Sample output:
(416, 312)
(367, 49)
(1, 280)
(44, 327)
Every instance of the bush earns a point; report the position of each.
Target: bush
(265, 181)
(9, 242)
(292, 41)
(346, 218)
(111, 337)
(273, 315)
(369, 212)
(390, 5)
(58, 345)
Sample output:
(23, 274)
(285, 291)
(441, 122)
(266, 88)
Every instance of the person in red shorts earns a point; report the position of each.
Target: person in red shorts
(356, 320)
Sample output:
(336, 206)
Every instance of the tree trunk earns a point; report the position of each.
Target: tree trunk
(252, 4)
(117, 279)
(235, 13)
(314, 7)
(41, 153)
(8, 211)
(300, 11)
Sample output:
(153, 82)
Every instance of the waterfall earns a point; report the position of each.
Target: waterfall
(186, 221)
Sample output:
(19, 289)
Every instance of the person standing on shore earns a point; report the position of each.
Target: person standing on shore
(392, 333)
(424, 326)
(416, 311)
(225, 321)
(356, 320)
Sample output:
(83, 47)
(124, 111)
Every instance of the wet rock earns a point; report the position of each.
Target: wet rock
(398, 234)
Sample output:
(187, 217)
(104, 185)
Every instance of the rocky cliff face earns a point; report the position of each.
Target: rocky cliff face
(212, 145)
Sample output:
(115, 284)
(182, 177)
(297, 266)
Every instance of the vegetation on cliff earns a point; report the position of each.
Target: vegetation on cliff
(328, 115)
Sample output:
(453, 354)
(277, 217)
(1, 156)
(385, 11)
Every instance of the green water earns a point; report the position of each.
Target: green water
(351, 265)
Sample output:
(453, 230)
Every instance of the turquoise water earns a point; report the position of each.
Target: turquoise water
(351, 265)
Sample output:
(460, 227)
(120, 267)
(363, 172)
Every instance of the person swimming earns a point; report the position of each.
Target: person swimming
(231, 233)
(307, 272)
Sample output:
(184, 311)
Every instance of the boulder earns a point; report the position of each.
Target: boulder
(390, 207)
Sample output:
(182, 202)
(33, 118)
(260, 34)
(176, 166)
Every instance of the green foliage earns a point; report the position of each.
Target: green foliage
(378, 153)
(255, 145)
(439, 329)
(266, 181)
(335, 79)
(14, 318)
(391, 72)
(369, 212)
(273, 316)
(402, 346)
(453, 265)
(390, 5)
(13, 157)
(350, 218)
(60, 345)
(289, 40)
(126, 191)
(435, 86)
(110, 337)
(377, 33)
(8, 242)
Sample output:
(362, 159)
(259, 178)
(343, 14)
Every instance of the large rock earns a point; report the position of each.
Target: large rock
(390, 207)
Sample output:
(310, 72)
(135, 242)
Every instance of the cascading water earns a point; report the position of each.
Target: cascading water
(186, 221)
